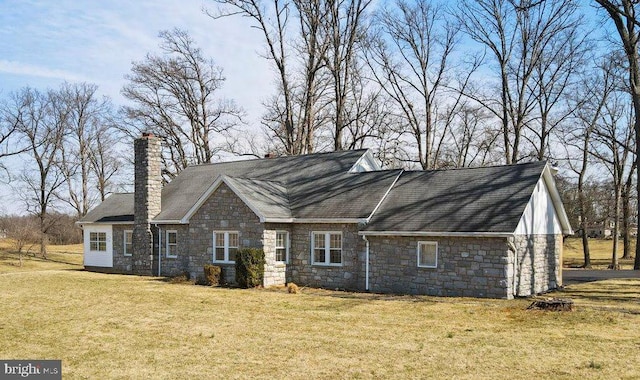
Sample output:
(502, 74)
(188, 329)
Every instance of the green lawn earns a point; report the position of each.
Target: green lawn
(116, 326)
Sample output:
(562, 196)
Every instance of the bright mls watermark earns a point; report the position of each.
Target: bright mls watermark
(31, 369)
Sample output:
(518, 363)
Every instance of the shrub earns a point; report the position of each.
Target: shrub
(249, 267)
(212, 274)
(293, 288)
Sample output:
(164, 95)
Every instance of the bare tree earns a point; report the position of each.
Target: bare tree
(41, 122)
(344, 33)
(88, 121)
(555, 76)
(518, 34)
(623, 15)
(272, 19)
(409, 55)
(174, 95)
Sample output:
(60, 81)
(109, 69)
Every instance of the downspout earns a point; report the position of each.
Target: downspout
(366, 264)
(159, 251)
(513, 248)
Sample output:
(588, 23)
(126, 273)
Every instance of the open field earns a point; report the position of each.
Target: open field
(116, 326)
(58, 257)
(600, 250)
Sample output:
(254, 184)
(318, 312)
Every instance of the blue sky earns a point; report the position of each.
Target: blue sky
(43, 43)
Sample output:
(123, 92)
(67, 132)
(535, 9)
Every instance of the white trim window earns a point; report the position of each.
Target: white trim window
(326, 248)
(171, 243)
(98, 241)
(282, 246)
(127, 242)
(225, 246)
(427, 254)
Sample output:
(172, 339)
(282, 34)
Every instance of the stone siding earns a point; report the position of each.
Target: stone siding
(147, 202)
(121, 263)
(538, 264)
(468, 267)
(223, 211)
(173, 266)
(347, 276)
(275, 272)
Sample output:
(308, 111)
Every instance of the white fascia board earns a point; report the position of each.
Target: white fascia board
(557, 200)
(153, 221)
(384, 196)
(101, 223)
(436, 234)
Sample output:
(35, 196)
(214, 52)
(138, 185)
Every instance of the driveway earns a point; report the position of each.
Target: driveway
(575, 276)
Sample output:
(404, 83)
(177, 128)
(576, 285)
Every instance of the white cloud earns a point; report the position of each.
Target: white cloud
(33, 70)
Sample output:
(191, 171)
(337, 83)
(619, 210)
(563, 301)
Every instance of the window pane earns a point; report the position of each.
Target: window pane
(172, 237)
(219, 253)
(281, 254)
(280, 238)
(428, 254)
(232, 254)
(335, 256)
(102, 246)
(318, 255)
(318, 241)
(128, 237)
(93, 236)
(93, 246)
(335, 241)
(233, 240)
(219, 239)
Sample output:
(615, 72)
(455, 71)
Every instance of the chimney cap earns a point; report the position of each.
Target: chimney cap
(271, 155)
(147, 134)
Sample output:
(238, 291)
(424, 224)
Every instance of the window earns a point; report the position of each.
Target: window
(326, 248)
(128, 242)
(428, 254)
(98, 241)
(282, 246)
(225, 246)
(171, 243)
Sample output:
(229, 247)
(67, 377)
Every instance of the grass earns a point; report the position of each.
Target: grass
(118, 326)
(600, 251)
(58, 257)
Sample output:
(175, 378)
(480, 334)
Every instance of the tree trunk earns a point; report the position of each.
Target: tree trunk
(625, 222)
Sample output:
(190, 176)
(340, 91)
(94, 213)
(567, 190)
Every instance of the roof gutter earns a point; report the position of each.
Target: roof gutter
(435, 233)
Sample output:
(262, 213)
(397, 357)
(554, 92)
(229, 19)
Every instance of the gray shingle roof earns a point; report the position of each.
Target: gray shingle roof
(304, 173)
(295, 171)
(489, 199)
(115, 208)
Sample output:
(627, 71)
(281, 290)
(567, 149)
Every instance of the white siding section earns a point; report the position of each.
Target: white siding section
(98, 258)
(539, 216)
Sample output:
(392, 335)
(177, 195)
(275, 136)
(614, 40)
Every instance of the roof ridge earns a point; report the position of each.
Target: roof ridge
(277, 158)
(532, 163)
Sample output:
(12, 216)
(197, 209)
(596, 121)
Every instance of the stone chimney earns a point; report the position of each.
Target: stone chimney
(147, 201)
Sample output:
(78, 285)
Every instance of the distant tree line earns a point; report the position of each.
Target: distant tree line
(424, 84)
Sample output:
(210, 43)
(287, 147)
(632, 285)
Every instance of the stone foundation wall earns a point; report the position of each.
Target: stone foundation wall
(121, 263)
(468, 267)
(538, 263)
(223, 211)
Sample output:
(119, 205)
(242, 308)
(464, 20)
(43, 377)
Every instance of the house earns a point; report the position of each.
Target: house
(600, 230)
(336, 220)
